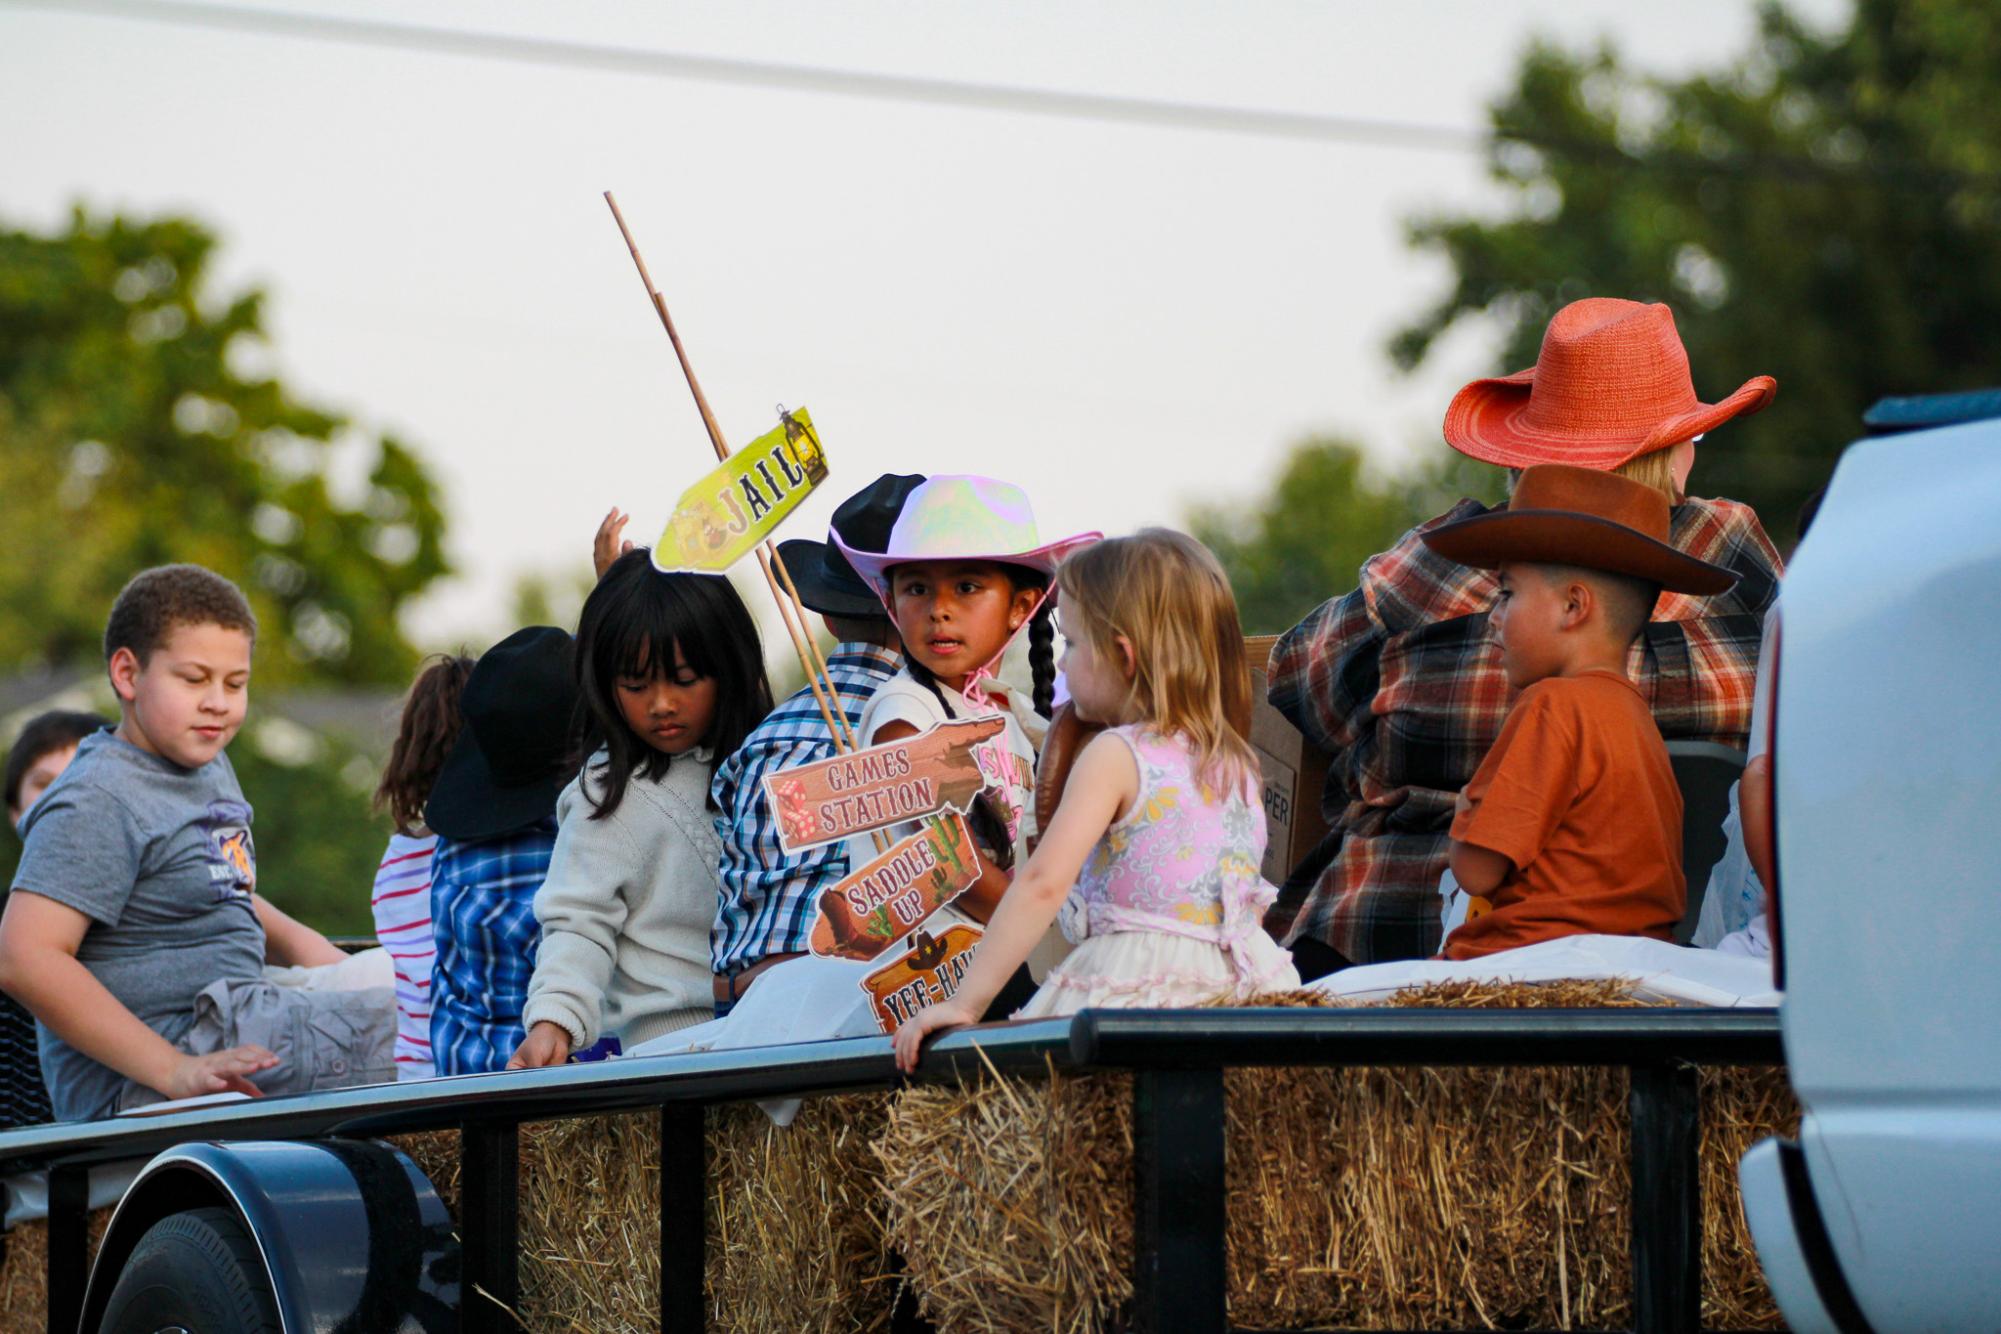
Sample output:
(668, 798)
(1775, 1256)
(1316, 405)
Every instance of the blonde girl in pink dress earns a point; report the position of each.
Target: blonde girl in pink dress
(1152, 858)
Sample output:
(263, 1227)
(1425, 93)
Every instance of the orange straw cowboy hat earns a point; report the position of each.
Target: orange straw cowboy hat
(1566, 515)
(1610, 384)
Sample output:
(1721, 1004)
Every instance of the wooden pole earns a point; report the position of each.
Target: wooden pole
(790, 609)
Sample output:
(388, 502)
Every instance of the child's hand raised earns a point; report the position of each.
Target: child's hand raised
(226, 1071)
(910, 1037)
(607, 547)
(546, 1044)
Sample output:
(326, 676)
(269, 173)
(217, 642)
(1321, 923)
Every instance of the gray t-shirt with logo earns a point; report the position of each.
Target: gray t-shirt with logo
(160, 859)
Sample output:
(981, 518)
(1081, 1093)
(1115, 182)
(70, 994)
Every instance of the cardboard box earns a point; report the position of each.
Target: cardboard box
(1294, 772)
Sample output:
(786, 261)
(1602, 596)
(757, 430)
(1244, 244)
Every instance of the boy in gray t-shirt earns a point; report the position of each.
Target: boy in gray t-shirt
(134, 933)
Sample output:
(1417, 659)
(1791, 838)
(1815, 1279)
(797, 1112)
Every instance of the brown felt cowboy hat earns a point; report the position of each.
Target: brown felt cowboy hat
(1610, 384)
(1566, 515)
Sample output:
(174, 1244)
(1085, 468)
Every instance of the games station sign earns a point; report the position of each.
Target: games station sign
(889, 784)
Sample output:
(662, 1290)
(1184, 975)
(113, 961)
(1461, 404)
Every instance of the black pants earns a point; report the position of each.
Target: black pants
(1012, 996)
(1316, 958)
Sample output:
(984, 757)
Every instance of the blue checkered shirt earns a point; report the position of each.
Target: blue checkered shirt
(769, 899)
(483, 911)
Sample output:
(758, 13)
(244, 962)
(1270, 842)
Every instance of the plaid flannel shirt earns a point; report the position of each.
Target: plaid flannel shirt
(483, 912)
(769, 900)
(1401, 684)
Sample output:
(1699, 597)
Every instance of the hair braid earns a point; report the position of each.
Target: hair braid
(1042, 658)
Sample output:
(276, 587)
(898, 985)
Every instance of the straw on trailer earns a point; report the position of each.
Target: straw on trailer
(795, 1215)
(1396, 1198)
(24, 1273)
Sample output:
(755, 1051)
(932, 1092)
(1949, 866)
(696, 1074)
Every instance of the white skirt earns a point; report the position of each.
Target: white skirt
(1153, 970)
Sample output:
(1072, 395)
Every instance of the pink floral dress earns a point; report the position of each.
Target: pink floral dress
(1168, 910)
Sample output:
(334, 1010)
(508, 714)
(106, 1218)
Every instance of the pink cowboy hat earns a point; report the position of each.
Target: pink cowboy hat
(963, 518)
(1610, 384)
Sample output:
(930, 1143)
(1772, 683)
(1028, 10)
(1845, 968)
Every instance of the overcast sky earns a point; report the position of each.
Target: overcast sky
(1125, 319)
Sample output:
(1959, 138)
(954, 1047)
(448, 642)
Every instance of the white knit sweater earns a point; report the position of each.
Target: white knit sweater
(626, 909)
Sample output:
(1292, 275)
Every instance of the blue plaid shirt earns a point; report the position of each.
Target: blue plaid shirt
(769, 900)
(483, 911)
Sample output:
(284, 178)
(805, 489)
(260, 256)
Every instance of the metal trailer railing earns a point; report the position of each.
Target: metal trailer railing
(1176, 1059)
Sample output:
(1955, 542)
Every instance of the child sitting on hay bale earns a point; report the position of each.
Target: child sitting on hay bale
(400, 900)
(1572, 824)
(671, 675)
(1164, 805)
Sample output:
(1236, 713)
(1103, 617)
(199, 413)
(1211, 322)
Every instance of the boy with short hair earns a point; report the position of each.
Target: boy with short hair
(134, 933)
(1572, 825)
(41, 751)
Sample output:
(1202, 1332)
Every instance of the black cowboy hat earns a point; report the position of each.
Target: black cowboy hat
(511, 759)
(827, 583)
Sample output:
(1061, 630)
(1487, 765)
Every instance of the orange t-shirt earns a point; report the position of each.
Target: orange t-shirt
(1578, 793)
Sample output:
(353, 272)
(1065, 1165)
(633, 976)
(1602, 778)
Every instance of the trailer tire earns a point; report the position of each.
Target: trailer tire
(198, 1270)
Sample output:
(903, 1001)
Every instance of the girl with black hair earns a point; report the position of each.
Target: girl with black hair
(670, 673)
(965, 573)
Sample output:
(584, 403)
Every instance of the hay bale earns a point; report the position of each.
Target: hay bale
(1011, 1200)
(1740, 1106)
(590, 1224)
(795, 1237)
(24, 1273)
(1373, 1197)
(795, 1220)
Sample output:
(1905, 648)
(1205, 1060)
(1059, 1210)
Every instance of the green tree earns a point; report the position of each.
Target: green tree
(133, 432)
(1305, 541)
(131, 435)
(1822, 209)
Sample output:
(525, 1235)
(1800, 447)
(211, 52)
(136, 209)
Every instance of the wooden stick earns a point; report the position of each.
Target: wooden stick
(819, 662)
(674, 337)
(802, 644)
(790, 609)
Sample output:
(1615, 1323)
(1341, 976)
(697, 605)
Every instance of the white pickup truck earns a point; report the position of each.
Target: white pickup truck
(1886, 1213)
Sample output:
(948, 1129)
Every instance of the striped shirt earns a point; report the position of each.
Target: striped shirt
(483, 911)
(1400, 682)
(402, 906)
(769, 899)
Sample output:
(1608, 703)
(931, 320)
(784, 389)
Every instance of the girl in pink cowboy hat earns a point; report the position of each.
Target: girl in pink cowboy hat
(1151, 862)
(965, 572)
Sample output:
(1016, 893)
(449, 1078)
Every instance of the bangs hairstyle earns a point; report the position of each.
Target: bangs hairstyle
(1169, 597)
(630, 625)
(984, 818)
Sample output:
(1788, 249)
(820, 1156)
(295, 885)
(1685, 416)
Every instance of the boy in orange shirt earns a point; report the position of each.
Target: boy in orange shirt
(1572, 825)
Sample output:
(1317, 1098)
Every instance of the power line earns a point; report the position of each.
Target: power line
(761, 74)
(1790, 168)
